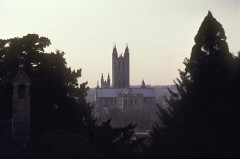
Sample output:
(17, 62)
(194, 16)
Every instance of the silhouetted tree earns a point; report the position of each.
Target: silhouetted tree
(116, 142)
(57, 100)
(60, 144)
(204, 114)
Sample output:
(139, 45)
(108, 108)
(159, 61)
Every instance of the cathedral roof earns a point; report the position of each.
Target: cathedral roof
(128, 91)
(113, 92)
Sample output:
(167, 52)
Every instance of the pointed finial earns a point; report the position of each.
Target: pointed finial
(143, 84)
(126, 46)
(114, 49)
(97, 85)
(126, 53)
(114, 46)
(209, 13)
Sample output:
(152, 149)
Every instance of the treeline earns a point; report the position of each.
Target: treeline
(202, 119)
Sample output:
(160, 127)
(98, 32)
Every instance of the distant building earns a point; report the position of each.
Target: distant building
(124, 97)
(120, 95)
(120, 69)
(105, 83)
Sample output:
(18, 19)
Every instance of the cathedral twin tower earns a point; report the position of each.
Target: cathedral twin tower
(120, 70)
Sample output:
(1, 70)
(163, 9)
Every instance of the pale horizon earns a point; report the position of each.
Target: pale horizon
(159, 33)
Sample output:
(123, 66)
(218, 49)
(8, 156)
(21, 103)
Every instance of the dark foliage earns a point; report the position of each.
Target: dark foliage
(118, 142)
(57, 100)
(60, 144)
(57, 103)
(203, 116)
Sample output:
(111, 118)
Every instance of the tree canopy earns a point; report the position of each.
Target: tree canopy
(58, 102)
(204, 114)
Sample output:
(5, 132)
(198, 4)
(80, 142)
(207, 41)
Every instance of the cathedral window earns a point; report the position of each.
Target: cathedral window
(131, 102)
(136, 101)
(144, 100)
(119, 66)
(21, 91)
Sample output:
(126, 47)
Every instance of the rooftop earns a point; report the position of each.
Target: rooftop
(113, 92)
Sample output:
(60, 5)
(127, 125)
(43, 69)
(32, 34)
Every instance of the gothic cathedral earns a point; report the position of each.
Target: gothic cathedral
(120, 69)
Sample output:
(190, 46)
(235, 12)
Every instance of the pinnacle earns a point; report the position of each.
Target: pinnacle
(210, 14)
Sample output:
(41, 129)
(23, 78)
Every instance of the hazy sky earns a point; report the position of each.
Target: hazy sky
(159, 33)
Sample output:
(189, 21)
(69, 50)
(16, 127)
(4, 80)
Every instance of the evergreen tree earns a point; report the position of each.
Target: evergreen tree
(204, 114)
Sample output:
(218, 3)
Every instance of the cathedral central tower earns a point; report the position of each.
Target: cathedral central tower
(120, 69)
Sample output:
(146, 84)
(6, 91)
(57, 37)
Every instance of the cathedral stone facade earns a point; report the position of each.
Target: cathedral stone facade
(120, 69)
